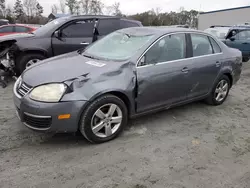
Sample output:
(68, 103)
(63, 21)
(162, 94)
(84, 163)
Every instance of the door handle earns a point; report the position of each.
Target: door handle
(185, 70)
(84, 43)
(245, 43)
(217, 63)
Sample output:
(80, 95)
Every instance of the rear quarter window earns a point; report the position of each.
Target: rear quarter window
(215, 45)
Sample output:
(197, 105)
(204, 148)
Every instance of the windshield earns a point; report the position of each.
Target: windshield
(49, 26)
(117, 46)
(220, 33)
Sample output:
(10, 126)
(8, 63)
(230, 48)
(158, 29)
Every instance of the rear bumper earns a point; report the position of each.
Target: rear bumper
(43, 117)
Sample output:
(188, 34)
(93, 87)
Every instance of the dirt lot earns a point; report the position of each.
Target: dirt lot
(191, 146)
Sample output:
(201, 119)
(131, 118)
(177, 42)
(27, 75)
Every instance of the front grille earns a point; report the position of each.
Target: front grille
(38, 122)
(23, 89)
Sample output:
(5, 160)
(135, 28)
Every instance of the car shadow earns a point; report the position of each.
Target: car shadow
(67, 139)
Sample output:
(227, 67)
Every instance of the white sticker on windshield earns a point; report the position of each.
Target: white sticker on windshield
(95, 63)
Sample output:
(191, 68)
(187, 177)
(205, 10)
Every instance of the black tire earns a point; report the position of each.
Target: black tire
(86, 118)
(245, 59)
(211, 99)
(23, 60)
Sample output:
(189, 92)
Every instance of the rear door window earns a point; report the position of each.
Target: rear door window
(201, 45)
(20, 29)
(106, 26)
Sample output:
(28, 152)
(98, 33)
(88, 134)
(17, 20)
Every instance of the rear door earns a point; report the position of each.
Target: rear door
(206, 63)
(6, 30)
(73, 36)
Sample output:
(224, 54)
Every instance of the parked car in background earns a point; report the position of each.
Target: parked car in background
(98, 89)
(14, 29)
(4, 22)
(57, 37)
(235, 37)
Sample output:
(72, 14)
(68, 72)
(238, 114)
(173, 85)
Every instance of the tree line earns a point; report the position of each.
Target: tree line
(30, 11)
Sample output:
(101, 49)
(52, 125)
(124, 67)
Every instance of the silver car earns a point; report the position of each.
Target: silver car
(128, 73)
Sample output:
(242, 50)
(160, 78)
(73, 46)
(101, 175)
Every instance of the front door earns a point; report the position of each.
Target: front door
(73, 36)
(206, 63)
(163, 74)
(240, 41)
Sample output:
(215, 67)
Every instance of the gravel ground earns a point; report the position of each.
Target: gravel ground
(192, 146)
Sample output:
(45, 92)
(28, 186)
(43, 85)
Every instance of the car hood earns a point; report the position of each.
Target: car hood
(15, 36)
(66, 67)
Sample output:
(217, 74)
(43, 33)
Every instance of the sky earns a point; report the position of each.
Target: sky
(138, 6)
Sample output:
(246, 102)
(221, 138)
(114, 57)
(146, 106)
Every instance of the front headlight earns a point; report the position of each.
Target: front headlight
(48, 93)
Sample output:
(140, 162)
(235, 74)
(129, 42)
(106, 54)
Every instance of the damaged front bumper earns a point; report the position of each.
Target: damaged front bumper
(44, 117)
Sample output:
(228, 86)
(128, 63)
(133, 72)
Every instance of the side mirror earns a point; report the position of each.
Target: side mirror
(143, 60)
(57, 34)
(232, 38)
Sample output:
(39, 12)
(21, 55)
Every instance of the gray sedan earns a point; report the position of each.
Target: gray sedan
(128, 73)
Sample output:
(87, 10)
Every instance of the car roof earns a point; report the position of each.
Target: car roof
(100, 17)
(11, 25)
(160, 30)
(240, 28)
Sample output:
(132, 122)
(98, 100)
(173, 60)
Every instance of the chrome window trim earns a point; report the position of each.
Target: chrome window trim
(165, 35)
(167, 62)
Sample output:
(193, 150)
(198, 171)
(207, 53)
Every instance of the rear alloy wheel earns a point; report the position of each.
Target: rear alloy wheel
(104, 119)
(219, 92)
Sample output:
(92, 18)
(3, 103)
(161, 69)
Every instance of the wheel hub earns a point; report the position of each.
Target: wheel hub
(221, 90)
(106, 120)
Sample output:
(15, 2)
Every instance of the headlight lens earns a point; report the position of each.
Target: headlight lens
(48, 93)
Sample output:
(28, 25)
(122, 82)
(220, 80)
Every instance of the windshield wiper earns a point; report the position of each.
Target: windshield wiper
(128, 35)
(90, 56)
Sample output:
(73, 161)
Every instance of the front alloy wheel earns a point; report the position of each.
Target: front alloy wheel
(31, 62)
(104, 119)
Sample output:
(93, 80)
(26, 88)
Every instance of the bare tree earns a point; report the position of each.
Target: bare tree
(117, 11)
(92, 6)
(54, 9)
(77, 8)
(86, 6)
(30, 7)
(96, 7)
(62, 6)
(2, 7)
(72, 5)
